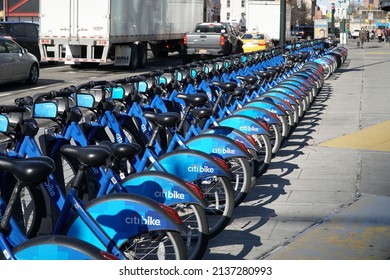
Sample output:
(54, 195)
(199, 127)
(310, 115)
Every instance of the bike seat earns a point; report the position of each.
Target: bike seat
(252, 87)
(28, 170)
(278, 69)
(228, 86)
(236, 92)
(194, 99)
(201, 113)
(248, 79)
(122, 150)
(271, 73)
(262, 74)
(289, 66)
(162, 119)
(92, 156)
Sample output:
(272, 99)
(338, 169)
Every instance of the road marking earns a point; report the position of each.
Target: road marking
(376, 137)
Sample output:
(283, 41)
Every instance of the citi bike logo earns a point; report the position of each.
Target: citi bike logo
(248, 128)
(50, 188)
(221, 150)
(119, 138)
(169, 194)
(201, 169)
(145, 130)
(148, 220)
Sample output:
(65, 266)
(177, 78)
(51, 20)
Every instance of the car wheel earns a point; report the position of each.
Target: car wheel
(33, 75)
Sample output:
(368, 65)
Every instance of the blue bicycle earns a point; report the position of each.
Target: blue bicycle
(14, 244)
(151, 231)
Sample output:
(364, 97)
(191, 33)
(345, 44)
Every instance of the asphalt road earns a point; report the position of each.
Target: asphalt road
(56, 77)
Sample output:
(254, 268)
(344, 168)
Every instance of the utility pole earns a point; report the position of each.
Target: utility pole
(282, 29)
(332, 7)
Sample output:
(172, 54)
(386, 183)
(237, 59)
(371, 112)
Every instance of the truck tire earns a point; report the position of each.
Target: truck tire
(133, 64)
(159, 50)
(142, 55)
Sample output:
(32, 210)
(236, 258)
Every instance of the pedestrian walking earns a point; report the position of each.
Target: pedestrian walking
(379, 34)
(362, 36)
(367, 36)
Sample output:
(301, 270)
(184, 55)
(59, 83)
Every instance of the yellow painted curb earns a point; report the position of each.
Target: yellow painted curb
(376, 137)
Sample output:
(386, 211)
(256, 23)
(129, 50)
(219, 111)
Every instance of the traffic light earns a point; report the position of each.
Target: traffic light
(370, 7)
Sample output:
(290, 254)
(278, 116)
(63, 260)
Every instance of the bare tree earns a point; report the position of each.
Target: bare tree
(301, 13)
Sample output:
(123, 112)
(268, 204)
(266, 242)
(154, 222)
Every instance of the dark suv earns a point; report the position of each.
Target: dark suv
(303, 32)
(23, 33)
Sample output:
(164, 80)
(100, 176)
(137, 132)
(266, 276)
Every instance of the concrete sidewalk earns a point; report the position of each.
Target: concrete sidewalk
(327, 192)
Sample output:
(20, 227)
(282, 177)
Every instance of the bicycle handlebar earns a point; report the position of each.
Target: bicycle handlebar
(6, 109)
(153, 74)
(53, 94)
(127, 80)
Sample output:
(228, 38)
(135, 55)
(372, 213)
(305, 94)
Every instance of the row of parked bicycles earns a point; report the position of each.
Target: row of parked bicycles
(150, 166)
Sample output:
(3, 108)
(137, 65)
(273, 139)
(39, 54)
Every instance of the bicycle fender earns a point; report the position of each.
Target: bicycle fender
(122, 216)
(232, 133)
(282, 96)
(191, 165)
(301, 84)
(258, 114)
(56, 247)
(217, 145)
(162, 187)
(245, 124)
(278, 101)
(288, 91)
(266, 105)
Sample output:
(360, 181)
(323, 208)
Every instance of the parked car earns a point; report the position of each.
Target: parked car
(255, 42)
(355, 34)
(16, 63)
(303, 32)
(24, 33)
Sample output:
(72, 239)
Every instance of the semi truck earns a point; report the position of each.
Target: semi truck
(264, 17)
(119, 31)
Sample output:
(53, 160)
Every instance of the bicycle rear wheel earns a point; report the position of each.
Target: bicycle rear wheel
(155, 245)
(242, 181)
(220, 195)
(194, 217)
(263, 153)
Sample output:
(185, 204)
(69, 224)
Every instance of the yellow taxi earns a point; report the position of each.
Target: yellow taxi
(255, 42)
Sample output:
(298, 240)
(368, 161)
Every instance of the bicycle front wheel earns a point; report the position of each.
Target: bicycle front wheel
(29, 209)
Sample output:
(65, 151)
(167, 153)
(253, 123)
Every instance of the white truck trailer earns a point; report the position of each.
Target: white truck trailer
(264, 17)
(104, 31)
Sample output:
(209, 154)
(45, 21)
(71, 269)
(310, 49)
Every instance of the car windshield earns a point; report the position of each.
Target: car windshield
(258, 36)
(209, 28)
(247, 36)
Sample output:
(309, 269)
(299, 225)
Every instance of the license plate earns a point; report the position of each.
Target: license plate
(202, 51)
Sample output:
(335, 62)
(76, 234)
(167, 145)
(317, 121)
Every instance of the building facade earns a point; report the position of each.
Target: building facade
(20, 10)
